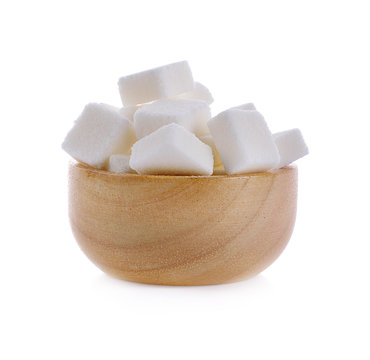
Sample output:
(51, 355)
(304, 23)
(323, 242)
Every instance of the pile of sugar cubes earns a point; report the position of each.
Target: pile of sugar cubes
(165, 127)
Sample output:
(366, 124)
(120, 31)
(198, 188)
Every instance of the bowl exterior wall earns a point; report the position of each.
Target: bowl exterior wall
(182, 230)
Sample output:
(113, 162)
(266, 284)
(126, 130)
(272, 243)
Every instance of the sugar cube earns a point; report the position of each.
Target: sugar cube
(247, 106)
(200, 92)
(99, 132)
(207, 139)
(119, 163)
(171, 150)
(244, 141)
(191, 114)
(291, 146)
(158, 83)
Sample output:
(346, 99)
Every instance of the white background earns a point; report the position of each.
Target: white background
(303, 63)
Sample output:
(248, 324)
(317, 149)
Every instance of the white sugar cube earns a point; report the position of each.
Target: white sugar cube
(191, 114)
(244, 141)
(200, 92)
(158, 83)
(99, 132)
(171, 150)
(291, 146)
(207, 139)
(247, 106)
(119, 163)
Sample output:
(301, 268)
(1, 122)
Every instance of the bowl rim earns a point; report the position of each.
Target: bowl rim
(103, 172)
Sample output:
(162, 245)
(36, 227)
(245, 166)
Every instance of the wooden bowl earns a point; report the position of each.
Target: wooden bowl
(182, 230)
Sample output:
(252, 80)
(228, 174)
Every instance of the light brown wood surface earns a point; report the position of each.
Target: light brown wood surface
(182, 230)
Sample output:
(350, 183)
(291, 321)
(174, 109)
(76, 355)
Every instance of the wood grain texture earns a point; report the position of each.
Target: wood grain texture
(182, 230)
